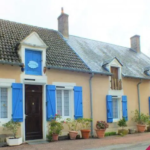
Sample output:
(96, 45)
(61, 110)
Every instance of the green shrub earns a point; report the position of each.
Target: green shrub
(122, 132)
(12, 126)
(110, 133)
(140, 118)
(84, 123)
(122, 123)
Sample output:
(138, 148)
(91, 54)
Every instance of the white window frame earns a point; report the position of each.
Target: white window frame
(7, 100)
(70, 103)
(119, 108)
(67, 86)
(7, 83)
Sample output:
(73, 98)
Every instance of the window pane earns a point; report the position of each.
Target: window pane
(66, 103)
(115, 109)
(59, 102)
(3, 103)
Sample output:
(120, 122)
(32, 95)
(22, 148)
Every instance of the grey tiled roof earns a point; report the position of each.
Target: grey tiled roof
(58, 54)
(96, 53)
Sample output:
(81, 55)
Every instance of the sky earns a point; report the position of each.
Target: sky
(111, 21)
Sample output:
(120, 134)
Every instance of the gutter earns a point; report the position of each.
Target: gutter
(11, 63)
(138, 89)
(91, 102)
(126, 76)
(78, 70)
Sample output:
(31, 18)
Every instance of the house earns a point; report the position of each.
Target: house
(44, 72)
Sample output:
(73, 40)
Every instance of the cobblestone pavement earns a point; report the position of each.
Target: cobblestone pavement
(128, 142)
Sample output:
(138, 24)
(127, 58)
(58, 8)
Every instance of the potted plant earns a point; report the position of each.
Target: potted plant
(73, 128)
(101, 126)
(13, 127)
(141, 120)
(84, 124)
(122, 123)
(55, 128)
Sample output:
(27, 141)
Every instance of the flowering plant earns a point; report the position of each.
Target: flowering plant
(84, 123)
(55, 125)
(101, 125)
(72, 124)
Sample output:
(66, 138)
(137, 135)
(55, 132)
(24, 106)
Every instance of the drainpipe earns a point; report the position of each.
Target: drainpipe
(138, 89)
(91, 102)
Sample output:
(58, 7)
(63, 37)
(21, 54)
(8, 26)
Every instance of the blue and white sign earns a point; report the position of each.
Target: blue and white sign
(33, 62)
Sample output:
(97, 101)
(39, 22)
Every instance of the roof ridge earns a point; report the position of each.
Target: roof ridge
(26, 24)
(99, 41)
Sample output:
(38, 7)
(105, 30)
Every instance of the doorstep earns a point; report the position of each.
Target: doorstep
(35, 142)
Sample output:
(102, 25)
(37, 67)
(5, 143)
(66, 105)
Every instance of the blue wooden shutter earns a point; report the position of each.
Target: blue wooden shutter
(124, 107)
(149, 105)
(33, 62)
(78, 108)
(109, 108)
(50, 102)
(17, 102)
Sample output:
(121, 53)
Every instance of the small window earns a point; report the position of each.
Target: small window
(116, 108)
(63, 103)
(3, 103)
(116, 83)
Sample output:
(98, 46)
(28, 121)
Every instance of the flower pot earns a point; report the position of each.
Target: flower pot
(100, 133)
(141, 128)
(55, 137)
(73, 134)
(12, 142)
(85, 133)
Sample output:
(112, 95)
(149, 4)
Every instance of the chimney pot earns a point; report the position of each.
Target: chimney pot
(135, 43)
(62, 10)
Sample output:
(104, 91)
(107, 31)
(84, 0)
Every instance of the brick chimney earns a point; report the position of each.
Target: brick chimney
(63, 27)
(135, 43)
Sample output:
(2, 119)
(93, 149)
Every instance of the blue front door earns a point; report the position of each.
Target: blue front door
(33, 62)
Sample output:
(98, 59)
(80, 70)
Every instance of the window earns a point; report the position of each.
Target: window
(116, 108)
(63, 103)
(116, 83)
(3, 103)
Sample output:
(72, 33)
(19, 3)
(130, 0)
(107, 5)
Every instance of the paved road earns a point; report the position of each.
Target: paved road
(135, 146)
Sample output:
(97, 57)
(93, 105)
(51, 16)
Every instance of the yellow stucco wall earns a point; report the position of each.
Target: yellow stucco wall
(100, 88)
(10, 72)
(130, 89)
(81, 79)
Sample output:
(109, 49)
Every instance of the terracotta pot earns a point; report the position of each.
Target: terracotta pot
(55, 137)
(85, 133)
(73, 134)
(141, 128)
(100, 133)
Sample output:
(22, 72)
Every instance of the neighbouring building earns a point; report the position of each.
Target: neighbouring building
(44, 72)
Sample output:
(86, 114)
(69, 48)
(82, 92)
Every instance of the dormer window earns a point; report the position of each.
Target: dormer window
(116, 83)
(33, 62)
(32, 51)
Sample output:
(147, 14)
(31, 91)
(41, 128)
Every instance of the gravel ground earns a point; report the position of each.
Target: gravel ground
(82, 144)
